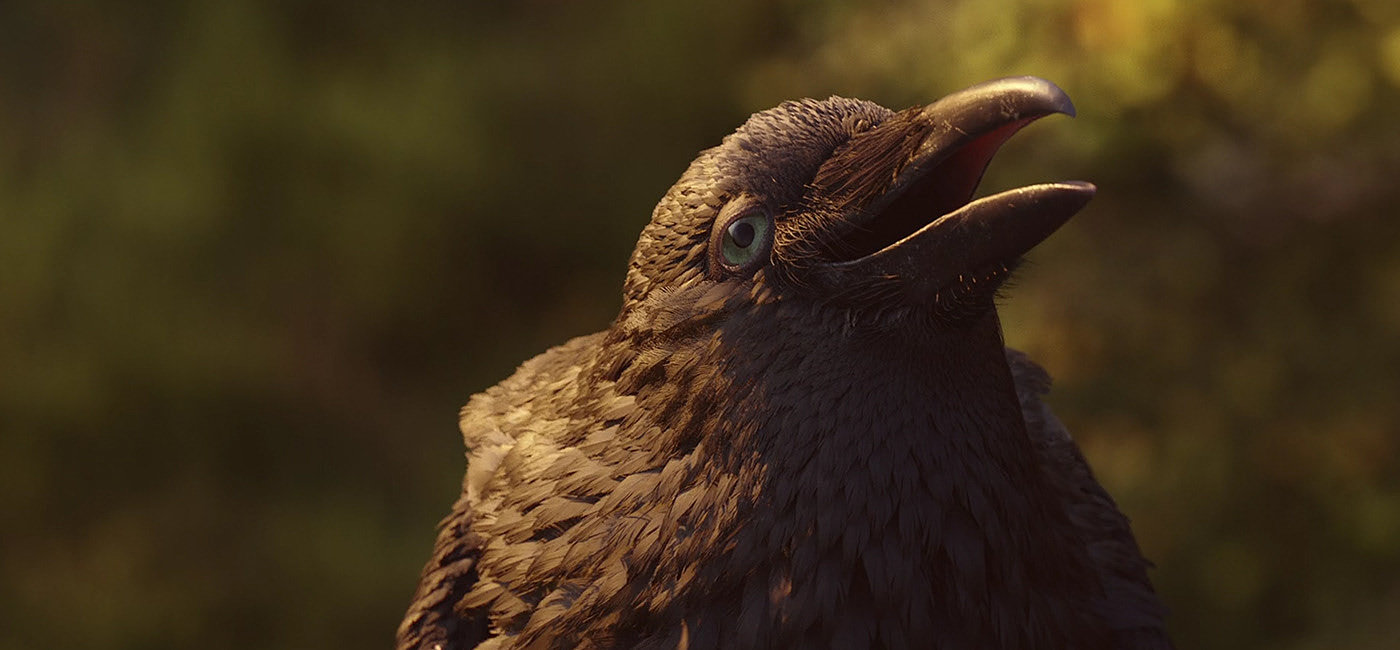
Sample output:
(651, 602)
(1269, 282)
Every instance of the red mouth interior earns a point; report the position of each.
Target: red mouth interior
(945, 187)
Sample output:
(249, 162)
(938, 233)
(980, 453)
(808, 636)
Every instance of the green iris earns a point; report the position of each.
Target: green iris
(743, 239)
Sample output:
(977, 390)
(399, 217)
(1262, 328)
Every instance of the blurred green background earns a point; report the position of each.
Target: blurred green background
(255, 254)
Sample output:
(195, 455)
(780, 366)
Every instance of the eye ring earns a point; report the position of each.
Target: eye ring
(741, 239)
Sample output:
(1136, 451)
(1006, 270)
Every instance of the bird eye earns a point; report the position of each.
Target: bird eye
(744, 241)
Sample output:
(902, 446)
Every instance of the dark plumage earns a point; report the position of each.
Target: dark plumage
(803, 429)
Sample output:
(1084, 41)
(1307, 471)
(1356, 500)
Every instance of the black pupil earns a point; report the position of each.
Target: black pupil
(742, 233)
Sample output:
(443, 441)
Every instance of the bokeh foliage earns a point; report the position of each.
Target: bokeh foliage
(254, 254)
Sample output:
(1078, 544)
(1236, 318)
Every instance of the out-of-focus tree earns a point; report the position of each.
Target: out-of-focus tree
(253, 255)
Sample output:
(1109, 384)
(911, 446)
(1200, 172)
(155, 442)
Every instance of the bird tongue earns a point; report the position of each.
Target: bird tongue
(906, 184)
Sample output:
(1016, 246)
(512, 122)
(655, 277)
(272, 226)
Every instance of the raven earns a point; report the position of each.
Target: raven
(803, 430)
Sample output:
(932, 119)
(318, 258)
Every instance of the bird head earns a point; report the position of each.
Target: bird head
(856, 209)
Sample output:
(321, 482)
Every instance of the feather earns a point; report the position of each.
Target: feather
(816, 447)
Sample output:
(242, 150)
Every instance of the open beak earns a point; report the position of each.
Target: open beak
(904, 190)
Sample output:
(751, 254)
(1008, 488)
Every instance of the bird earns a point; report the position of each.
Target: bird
(804, 428)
